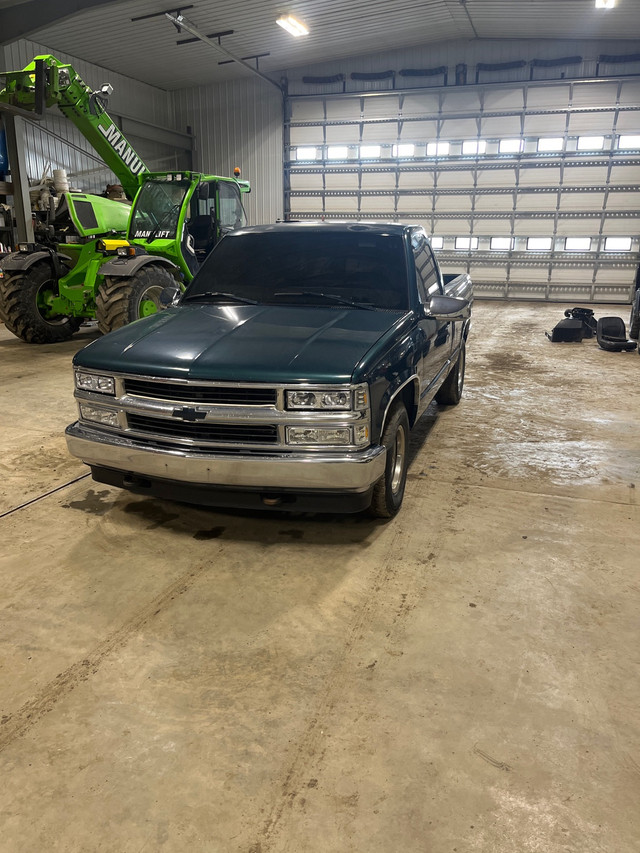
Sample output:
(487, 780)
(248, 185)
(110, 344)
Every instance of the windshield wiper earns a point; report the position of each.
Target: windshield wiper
(219, 295)
(164, 219)
(330, 297)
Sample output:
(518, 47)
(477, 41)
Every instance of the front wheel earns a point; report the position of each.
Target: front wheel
(25, 307)
(388, 492)
(450, 392)
(123, 300)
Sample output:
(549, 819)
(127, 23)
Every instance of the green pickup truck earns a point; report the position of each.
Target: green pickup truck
(287, 376)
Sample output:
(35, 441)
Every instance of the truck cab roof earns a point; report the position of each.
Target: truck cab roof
(377, 228)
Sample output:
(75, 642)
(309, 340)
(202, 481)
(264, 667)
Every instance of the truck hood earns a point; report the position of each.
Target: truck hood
(243, 343)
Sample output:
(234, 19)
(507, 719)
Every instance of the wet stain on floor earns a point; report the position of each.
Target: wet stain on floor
(152, 512)
(94, 503)
(293, 534)
(213, 533)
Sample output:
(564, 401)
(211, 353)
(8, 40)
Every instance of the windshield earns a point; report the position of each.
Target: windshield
(157, 209)
(306, 267)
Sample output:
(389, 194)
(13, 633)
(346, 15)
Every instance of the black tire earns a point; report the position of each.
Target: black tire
(123, 300)
(634, 320)
(24, 311)
(388, 492)
(450, 392)
(4, 287)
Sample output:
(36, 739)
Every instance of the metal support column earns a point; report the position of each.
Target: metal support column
(14, 127)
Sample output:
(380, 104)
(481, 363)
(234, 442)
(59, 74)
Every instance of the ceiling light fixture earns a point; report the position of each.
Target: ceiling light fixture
(292, 25)
(605, 4)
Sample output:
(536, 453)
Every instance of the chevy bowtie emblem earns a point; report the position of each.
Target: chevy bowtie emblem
(188, 414)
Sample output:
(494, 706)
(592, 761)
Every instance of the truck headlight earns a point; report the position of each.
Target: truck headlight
(95, 382)
(319, 435)
(319, 400)
(106, 417)
(327, 399)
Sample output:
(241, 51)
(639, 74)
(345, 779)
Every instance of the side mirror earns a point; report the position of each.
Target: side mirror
(203, 191)
(449, 308)
(169, 295)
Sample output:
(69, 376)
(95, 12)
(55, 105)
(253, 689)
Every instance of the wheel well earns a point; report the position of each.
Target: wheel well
(408, 396)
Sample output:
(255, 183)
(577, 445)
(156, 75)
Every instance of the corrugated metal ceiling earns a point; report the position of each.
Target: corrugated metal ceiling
(147, 50)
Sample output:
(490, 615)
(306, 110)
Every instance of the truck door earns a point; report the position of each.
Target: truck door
(435, 335)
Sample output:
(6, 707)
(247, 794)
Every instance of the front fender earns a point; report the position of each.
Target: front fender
(21, 261)
(401, 382)
(127, 266)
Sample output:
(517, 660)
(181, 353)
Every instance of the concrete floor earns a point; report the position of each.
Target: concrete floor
(463, 678)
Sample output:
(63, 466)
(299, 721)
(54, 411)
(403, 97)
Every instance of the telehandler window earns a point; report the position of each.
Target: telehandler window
(232, 213)
(157, 208)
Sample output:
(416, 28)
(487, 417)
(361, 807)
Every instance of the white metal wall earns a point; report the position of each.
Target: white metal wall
(239, 124)
(54, 143)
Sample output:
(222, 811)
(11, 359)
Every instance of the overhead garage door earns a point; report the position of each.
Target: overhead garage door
(533, 188)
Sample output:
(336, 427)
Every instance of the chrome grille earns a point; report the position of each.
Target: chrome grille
(222, 395)
(250, 433)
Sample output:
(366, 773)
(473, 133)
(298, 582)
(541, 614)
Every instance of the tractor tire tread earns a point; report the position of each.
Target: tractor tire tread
(20, 314)
(116, 297)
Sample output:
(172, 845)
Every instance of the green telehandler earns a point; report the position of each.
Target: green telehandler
(100, 258)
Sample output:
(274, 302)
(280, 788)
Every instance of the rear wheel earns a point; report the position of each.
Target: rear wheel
(123, 300)
(25, 307)
(388, 492)
(450, 392)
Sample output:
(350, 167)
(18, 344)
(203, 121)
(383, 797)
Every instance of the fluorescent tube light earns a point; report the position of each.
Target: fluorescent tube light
(292, 25)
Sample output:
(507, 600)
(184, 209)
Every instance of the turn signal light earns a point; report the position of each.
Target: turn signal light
(125, 251)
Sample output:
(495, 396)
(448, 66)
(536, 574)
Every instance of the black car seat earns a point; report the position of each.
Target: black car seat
(612, 335)
(566, 332)
(201, 229)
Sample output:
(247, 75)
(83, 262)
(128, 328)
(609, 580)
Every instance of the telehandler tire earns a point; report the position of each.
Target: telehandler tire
(123, 300)
(24, 309)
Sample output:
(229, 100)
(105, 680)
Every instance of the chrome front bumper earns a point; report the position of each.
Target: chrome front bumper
(354, 471)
